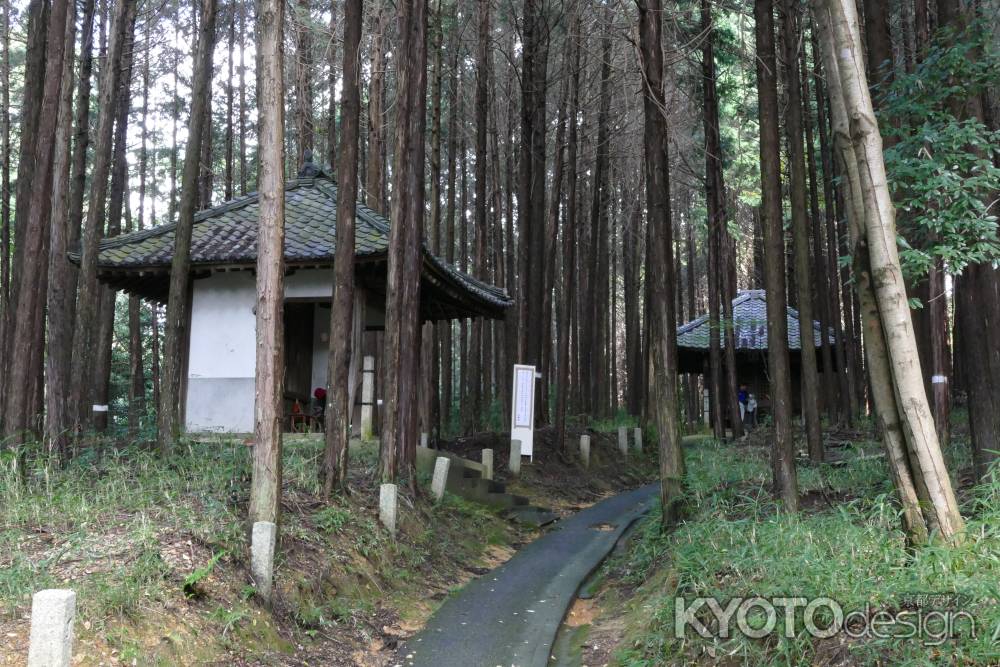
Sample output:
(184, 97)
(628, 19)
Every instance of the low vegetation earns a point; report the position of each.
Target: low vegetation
(846, 545)
(156, 550)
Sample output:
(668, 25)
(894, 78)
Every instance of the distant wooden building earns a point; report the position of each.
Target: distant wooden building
(219, 364)
(750, 329)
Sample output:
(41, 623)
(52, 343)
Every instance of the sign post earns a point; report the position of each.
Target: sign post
(522, 418)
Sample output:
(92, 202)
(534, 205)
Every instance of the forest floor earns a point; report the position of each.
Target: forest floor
(845, 545)
(157, 551)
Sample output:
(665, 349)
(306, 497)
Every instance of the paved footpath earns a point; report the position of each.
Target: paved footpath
(509, 616)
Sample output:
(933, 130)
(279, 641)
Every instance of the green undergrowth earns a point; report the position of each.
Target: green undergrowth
(845, 545)
(150, 543)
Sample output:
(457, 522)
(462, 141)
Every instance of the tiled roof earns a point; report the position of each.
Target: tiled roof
(750, 322)
(226, 235)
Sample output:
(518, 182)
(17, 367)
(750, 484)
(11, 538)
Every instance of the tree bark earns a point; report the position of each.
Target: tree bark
(338, 407)
(402, 317)
(890, 293)
(663, 345)
(178, 301)
(269, 381)
(783, 452)
(61, 288)
(800, 234)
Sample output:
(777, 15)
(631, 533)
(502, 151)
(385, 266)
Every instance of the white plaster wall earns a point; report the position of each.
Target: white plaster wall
(220, 388)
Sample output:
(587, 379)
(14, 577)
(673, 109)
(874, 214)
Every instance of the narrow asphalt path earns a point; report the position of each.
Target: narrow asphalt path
(509, 617)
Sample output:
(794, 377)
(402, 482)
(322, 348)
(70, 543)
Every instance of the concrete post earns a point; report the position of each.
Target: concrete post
(623, 441)
(262, 543)
(514, 465)
(487, 464)
(440, 480)
(388, 506)
(424, 440)
(707, 408)
(367, 397)
(637, 432)
(585, 450)
(52, 614)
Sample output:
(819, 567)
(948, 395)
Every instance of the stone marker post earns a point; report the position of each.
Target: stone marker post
(388, 506)
(585, 450)
(440, 480)
(638, 438)
(487, 464)
(367, 397)
(52, 614)
(514, 465)
(424, 440)
(262, 543)
(623, 440)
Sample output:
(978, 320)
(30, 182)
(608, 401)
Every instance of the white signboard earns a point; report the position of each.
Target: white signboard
(522, 418)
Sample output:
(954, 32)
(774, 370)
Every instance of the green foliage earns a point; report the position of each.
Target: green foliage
(332, 519)
(192, 580)
(849, 547)
(943, 164)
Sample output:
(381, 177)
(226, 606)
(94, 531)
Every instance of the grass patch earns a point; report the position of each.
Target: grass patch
(149, 542)
(849, 549)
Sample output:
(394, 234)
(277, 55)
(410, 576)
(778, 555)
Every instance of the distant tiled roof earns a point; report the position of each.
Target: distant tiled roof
(750, 326)
(226, 236)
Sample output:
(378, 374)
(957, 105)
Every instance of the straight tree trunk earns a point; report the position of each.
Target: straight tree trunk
(338, 407)
(179, 297)
(800, 234)
(31, 222)
(85, 335)
(375, 180)
(4, 166)
(402, 317)
(60, 297)
(304, 121)
(569, 238)
(265, 489)
(663, 343)
(531, 182)
(779, 371)
(331, 119)
(230, 95)
(116, 203)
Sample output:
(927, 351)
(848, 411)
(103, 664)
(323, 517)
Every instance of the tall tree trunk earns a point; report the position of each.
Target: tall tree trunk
(890, 294)
(663, 345)
(532, 176)
(265, 489)
(800, 233)
(4, 167)
(85, 335)
(227, 191)
(433, 374)
(402, 317)
(60, 297)
(331, 118)
(338, 407)
(569, 236)
(783, 453)
(448, 240)
(31, 221)
(116, 203)
(178, 301)
(717, 234)
(243, 104)
(475, 395)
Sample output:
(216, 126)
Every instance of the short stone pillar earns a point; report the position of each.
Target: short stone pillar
(367, 397)
(637, 432)
(514, 465)
(388, 506)
(424, 440)
(585, 450)
(706, 408)
(623, 440)
(262, 541)
(52, 614)
(440, 480)
(487, 464)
